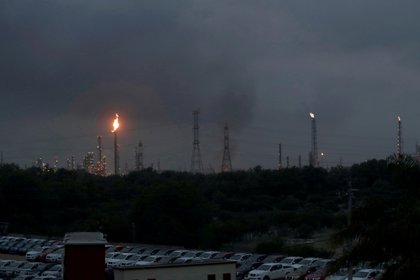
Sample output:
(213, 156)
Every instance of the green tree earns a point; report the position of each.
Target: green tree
(387, 229)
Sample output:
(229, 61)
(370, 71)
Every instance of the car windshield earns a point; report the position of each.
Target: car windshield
(28, 265)
(56, 268)
(189, 254)
(15, 264)
(302, 269)
(121, 257)
(205, 255)
(306, 261)
(361, 274)
(132, 258)
(264, 267)
(236, 257)
(175, 254)
(287, 260)
(150, 259)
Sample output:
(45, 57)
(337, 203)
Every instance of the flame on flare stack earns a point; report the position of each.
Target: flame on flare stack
(312, 115)
(116, 124)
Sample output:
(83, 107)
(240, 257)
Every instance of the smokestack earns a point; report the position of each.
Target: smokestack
(314, 145)
(116, 154)
(399, 137)
(116, 159)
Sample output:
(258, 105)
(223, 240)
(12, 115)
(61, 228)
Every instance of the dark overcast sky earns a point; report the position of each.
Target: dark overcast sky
(67, 66)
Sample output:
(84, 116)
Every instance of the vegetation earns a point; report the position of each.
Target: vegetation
(386, 227)
(206, 211)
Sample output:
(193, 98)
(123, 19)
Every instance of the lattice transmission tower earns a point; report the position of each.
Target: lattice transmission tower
(138, 157)
(226, 162)
(196, 163)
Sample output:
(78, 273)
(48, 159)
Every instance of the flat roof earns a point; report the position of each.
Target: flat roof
(84, 238)
(176, 265)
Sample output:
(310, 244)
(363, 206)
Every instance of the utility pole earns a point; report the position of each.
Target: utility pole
(350, 191)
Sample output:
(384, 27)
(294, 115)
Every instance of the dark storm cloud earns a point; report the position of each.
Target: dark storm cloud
(68, 66)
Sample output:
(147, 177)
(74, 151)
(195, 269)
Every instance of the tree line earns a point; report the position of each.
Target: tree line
(207, 211)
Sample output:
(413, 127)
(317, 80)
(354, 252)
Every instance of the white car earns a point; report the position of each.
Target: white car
(55, 257)
(33, 253)
(115, 261)
(270, 271)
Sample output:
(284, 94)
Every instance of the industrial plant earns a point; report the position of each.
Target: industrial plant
(97, 163)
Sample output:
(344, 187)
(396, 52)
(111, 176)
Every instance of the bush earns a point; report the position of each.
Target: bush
(270, 247)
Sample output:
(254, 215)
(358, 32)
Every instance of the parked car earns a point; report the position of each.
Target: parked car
(291, 260)
(11, 269)
(188, 256)
(239, 257)
(366, 274)
(269, 271)
(319, 274)
(149, 260)
(301, 271)
(34, 252)
(243, 270)
(115, 261)
(223, 255)
(42, 256)
(309, 261)
(207, 255)
(274, 258)
(55, 257)
(131, 260)
(54, 271)
(341, 274)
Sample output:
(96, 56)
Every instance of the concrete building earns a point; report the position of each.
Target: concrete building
(215, 270)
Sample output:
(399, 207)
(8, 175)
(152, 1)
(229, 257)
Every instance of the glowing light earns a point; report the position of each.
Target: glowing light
(116, 124)
(322, 154)
(312, 115)
(399, 119)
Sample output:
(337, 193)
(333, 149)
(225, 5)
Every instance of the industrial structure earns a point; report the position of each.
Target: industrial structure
(226, 162)
(313, 155)
(138, 157)
(196, 163)
(399, 137)
(280, 158)
(116, 151)
(89, 162)
(100, 166)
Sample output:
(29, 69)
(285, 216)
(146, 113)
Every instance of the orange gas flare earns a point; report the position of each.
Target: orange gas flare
(116, 124)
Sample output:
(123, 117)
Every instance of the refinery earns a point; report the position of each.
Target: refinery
(97, 163)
